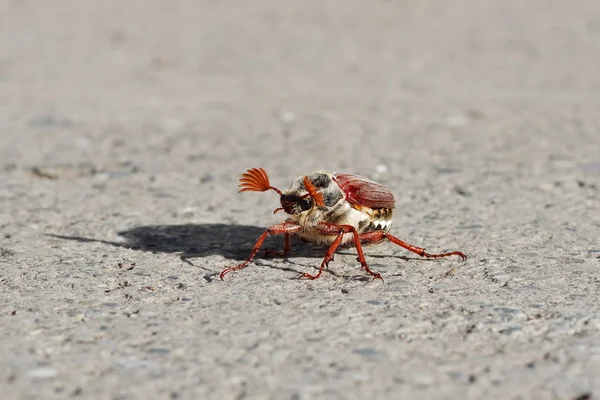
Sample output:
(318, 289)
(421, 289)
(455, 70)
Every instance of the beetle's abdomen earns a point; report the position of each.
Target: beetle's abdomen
(379, 219)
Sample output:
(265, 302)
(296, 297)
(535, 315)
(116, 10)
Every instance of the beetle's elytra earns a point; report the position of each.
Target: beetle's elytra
(334, 209)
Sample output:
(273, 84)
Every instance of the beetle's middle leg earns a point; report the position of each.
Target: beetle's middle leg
(341, 230)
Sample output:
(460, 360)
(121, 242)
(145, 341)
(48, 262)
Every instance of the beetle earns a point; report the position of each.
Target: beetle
(334, 209)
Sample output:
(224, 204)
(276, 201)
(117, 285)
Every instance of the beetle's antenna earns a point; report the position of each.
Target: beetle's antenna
(314, 193)
(256, 180)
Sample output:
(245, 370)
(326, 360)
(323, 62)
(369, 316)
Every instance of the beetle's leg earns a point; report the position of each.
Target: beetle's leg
(284, 228)
(377, 236)
(361, 256)
(286, 248)
(330, 229)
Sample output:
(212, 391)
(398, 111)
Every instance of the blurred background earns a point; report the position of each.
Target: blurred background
(388, 82)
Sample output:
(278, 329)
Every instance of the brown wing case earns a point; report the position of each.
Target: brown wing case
(364, 192)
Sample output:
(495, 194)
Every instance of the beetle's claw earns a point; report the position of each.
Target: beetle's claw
(223, 273)
(377, 276)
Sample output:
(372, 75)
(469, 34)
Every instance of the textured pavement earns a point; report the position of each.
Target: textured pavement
(124, 129)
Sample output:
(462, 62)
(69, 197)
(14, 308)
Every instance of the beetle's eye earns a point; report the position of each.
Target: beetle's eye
(306, 204)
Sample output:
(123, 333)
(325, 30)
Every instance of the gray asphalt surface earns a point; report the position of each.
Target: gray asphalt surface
(125, 128)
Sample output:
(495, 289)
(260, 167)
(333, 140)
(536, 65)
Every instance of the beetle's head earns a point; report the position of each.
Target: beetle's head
(294, 203)
(314, 191)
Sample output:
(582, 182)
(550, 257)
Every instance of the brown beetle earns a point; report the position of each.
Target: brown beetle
(334, 209)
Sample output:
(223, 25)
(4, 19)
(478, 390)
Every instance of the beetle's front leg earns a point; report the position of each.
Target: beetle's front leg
(329, 229)
(286, 228)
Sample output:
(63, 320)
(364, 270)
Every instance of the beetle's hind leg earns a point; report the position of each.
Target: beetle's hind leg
(377, 236)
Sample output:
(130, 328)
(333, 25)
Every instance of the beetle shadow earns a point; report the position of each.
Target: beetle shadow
(232, 242)
(191, 241)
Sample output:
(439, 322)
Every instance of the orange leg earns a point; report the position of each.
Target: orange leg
(285, 228)
(329, 256)
(377, 236)
(340, 230)
(286, 248)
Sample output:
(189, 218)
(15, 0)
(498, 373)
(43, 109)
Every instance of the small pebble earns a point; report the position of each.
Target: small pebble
(42, 373)
(381, 169)
(288, 117)
(457, 120)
